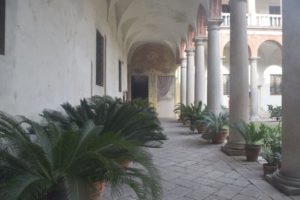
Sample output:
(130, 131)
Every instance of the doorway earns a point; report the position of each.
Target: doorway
(139, 87)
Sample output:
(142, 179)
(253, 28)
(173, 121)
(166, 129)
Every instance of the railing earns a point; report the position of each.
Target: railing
(257, 20)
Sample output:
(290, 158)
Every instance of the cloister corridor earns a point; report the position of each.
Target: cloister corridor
(192, 169)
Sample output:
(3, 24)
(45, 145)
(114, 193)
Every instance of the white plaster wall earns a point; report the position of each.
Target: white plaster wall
(225, 98)
(265, 97)
(50, 54)
(262, 7)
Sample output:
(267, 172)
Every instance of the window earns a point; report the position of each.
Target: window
(274, 10)
(225, 8)
(275, 84)
(100, 59)
(2, 27)
(120, 76)
(226, 86)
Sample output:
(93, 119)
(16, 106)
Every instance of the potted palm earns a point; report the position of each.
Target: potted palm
(193, 115)
(216, 124)
(253, 137)
(135, 120)
(178, 111)
(275, 112)
(272, 161)
(182, 111)
(70, 163)
(272, 150)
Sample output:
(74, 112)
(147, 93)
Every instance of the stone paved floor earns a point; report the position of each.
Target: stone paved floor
(191, 169)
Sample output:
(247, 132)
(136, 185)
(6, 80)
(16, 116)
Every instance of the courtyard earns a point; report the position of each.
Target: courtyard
(192, 169)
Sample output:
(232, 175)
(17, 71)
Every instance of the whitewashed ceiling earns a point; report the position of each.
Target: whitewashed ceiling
(160, 21)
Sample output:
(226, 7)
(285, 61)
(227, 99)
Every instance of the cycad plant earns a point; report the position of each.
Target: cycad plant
(252, 134)
(180, 110)
(191, 114)
(253, 137)
(49, 162)
(272, 149)
(216, 124)
(134, 120)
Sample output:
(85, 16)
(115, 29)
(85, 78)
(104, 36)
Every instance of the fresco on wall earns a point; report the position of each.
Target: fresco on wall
(158, 62)
(155, 57)
(165, 96)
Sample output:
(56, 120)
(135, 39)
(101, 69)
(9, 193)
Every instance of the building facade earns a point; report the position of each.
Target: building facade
(166, 51)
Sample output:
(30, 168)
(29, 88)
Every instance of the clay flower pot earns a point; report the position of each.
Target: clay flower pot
(100, 187)
(269, 169)
(219, 138)
(125, 163)
(252, 152)
(201, 128)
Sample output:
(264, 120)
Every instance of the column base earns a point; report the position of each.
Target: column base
(231, 149)
(288, 185)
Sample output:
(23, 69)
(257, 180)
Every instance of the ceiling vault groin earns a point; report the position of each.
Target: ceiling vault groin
(156, 21)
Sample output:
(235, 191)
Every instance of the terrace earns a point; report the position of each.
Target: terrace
(257, 21)
(192, 169)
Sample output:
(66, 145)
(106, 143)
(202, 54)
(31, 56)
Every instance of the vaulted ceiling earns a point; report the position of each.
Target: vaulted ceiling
(154, 21)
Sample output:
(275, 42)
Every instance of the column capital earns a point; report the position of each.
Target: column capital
(200, 40)
(214, 24)
(254, 58)
(190, 51)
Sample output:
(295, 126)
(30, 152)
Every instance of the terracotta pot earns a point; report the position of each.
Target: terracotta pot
(100, 187)
(252, 152)
(220, 137)
(125, 163)
(187, 123)
(269, 169)
(202, 128)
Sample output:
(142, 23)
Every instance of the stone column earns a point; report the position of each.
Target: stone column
(200, 70)
(221, 82)
(214, 66)
(254, 89)
(288, 178)
(190, 82)
(183, 81)
(239, 75)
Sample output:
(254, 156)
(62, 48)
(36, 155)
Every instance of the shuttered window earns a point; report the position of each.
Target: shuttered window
(275, 84)
(2, 27)
(225, 8)
(100, 59)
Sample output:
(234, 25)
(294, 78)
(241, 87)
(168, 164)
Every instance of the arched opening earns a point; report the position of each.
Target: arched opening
(201, 21)
(225, 72)
(152, 76)
(270, 74)
(191, 36)
(183, 46)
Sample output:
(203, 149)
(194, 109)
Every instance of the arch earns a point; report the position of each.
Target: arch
(270, 53)
(191, 36)
(183, 46)
(226, 45)
(177, 55)
(276, 42)
(156, 56)
(256, 42)
(215, 9)
(201, 21)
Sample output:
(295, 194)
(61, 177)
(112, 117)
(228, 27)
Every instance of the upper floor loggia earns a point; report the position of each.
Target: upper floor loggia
(261, 14)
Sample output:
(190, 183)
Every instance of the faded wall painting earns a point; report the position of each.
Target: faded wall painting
(158, 62)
